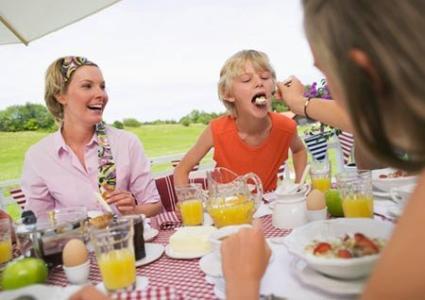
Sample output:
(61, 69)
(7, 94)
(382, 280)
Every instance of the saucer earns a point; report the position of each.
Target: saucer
(183, 255)
(395, 211)
(328, 284)
(210, 264)
(149, 234)
(142, 283)
(153, 252)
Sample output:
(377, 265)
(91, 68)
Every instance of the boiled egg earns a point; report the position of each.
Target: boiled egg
(74, 253)
(316, 200)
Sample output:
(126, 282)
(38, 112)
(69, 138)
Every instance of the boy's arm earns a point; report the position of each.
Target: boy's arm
(193, 156)
(299, 156)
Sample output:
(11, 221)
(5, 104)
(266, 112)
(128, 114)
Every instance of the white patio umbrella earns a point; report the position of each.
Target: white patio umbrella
(22, 21)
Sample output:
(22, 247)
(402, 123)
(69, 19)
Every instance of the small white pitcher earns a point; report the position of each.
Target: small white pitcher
(289, 211)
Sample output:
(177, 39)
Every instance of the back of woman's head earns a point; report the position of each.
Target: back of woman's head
(386, 102)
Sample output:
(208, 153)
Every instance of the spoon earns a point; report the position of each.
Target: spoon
(298, 186)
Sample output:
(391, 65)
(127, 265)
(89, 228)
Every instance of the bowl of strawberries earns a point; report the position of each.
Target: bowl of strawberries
(344, 248)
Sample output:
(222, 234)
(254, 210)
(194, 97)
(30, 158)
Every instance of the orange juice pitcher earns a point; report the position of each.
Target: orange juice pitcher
(232, 199)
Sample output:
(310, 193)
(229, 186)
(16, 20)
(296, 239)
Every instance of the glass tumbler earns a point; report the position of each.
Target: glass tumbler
(5, 241)
(320, 174)
(190, 203)
(115, 255)
(355, 188)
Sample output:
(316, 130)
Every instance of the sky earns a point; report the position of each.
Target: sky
(161, 58)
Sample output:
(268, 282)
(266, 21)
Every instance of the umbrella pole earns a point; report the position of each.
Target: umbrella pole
(13, 30)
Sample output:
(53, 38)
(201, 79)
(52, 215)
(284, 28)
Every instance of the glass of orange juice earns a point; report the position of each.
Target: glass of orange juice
(320, 174)
(355, 188)
(5, 241)
(190, 203)
(115, 255)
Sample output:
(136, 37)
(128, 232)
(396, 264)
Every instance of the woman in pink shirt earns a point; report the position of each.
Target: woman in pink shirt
(84, 156)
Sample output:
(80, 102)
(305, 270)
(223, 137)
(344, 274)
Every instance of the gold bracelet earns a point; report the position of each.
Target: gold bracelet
(306, 103)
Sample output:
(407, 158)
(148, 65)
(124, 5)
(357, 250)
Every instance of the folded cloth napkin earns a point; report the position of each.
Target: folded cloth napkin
(151, 293)
(167, 220)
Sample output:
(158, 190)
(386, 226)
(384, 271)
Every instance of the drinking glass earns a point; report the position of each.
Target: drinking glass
(115, 255)
(190, 203)
(355, 188)
(320, 174)
(5, 241)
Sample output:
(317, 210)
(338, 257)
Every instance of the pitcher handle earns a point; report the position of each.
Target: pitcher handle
(258, 196)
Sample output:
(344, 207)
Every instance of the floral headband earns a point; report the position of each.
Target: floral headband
(71, 63)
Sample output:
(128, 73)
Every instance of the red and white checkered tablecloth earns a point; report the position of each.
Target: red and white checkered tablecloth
(183, 279)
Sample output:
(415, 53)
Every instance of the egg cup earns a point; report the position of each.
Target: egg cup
(315, 215)
(78, 274)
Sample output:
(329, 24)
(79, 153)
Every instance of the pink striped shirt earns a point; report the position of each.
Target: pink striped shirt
(53, 177)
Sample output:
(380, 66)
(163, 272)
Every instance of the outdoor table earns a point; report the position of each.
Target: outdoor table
(183, 276)
(183, 279)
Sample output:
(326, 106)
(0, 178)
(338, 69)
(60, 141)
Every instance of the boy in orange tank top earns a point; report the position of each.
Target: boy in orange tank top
(250, 138)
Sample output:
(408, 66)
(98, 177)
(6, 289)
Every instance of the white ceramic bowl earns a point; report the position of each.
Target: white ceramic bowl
(315, 215)
(328, 230)
(219, 235)
(78, 274)
(386, 184)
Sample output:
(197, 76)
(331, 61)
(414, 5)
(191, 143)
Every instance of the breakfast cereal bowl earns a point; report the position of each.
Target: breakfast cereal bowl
(326, 245)
(386, 179)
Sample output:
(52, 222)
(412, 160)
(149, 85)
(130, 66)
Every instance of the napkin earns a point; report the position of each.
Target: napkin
(167, 220)
(263, 210)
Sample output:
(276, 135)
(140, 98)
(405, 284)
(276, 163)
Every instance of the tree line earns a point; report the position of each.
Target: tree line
(32, 117)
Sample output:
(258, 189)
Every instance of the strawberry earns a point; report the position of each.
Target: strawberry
(365, 244)
(343, 253)
(322, 248)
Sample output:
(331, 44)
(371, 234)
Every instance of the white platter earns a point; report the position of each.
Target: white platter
(153, 252)
(328, 284)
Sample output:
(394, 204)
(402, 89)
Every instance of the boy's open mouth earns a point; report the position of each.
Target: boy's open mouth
(259, 99)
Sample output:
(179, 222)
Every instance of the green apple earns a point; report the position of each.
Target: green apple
(23, 272)
(334, 203)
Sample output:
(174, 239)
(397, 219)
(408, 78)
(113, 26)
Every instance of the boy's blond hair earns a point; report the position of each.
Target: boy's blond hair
(235, 66)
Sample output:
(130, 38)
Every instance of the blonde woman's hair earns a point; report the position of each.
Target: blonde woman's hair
(387, 106)
(58, 76)
(235, 66)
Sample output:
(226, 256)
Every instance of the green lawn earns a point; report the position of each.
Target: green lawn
(158, 140)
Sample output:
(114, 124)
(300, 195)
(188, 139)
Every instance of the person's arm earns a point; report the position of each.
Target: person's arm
(322, 110)
(245, 256)
(299, 156)
(400, 271)
(142, 196)
(193, 156)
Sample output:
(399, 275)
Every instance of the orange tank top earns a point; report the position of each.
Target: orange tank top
(231, 152)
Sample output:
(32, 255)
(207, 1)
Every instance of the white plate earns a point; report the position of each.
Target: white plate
(153, 252)
(183, 255)
(149, 234)
(328, 284)
(210, 264)
(41, 291)
(142, 283)
(395, 212)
